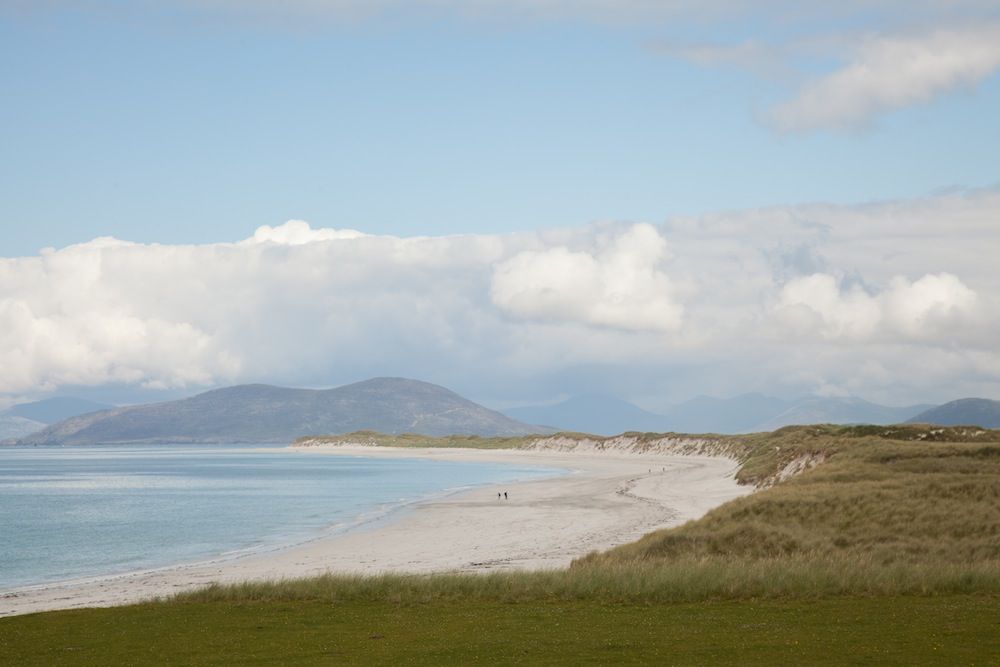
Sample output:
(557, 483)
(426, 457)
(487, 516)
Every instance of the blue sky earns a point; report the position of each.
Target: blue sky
(654, 199)
(187, 126)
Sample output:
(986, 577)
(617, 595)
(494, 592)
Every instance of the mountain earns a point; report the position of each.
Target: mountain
(263, 414)
(605, 415)
(838, 410)
(57, 408)
(740, 414)
(599, 415)
(23, 419)
(17, 427)
(963, 412)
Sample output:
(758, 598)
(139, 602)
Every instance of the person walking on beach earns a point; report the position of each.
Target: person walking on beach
(505, 495)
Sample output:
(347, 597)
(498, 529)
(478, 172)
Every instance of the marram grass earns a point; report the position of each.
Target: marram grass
(681, 581)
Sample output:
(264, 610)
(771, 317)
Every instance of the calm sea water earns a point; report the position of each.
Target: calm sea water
(74, 512)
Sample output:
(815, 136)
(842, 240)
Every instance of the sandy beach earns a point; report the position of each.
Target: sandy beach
(608, 498)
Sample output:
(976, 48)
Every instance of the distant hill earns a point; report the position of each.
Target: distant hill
(51, 410)
(17, 427)
(963, 412)
(834, 410)
(603, 415)
(262, 413)
(740, 414)
(599, 415)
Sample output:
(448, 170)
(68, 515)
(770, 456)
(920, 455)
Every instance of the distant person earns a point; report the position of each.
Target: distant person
(505, 495)
(498, 495)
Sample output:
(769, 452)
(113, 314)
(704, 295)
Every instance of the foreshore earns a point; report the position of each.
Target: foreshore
(609, 498)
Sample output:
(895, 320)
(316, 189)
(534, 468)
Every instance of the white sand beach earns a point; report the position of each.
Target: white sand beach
(610, 498)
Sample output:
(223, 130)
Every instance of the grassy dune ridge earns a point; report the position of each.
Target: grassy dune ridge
(683, 580)
(876, 500)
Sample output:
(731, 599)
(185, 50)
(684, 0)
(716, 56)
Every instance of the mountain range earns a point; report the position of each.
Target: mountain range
(963, 412)
(603, 415)
(268, 414)
(265, 414)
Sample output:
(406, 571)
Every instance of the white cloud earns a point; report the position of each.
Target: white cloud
(931, 303)
(816, 303)
(784, 300)
(889, 72)
(925, 308)
(298, 232)
(620, 285)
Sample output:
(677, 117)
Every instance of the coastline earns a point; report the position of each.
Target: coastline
(608, 498)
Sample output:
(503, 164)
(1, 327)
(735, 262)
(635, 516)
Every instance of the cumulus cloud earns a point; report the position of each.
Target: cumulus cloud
(620, 285)
(924, 308)
(889, 72)
(809, 298)
(298, 232)
(292, 300)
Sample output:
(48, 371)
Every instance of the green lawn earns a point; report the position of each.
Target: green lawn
(945, 630)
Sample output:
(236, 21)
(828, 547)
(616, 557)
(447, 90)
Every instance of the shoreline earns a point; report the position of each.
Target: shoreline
(604, 499)
(371, 518)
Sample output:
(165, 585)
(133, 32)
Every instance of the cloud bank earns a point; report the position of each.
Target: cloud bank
(786, 300)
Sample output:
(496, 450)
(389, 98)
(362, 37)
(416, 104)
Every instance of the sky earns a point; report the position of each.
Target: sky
(519, 199)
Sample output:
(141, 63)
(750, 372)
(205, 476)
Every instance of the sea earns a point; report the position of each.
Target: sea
(76, 512)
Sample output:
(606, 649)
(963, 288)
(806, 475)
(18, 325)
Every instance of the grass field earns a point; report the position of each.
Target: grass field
(942, 630)
(887, 552)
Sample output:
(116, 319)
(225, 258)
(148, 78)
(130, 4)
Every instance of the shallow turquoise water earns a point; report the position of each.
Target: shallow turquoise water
(73, 512)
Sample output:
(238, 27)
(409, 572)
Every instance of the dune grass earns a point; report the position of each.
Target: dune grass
(679, 581)
(874, 501)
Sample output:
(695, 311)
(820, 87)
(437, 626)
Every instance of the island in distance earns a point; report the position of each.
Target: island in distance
(260, 413)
